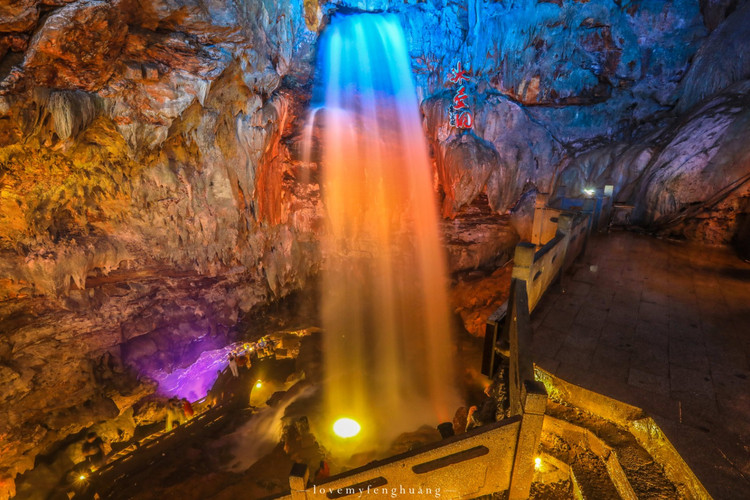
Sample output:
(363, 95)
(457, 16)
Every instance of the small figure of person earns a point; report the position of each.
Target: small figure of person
(179, 411)
(93, 450)
(187, 408)
(170, 416)
(471, 420)
(460, 420)
(323, 471)
(271, 345)
(292, 441)
(242, 360)
(233, 365)
(262, 346)
(175, 414)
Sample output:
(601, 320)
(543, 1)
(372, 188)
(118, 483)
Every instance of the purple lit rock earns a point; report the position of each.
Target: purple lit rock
(194, 381)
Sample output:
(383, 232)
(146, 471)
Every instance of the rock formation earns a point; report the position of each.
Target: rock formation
(148, 198)
(690, 177)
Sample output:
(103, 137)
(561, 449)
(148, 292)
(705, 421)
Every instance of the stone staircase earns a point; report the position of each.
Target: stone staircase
(598, 458)
(593, 447)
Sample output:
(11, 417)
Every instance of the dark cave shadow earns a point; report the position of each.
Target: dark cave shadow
(734, 273)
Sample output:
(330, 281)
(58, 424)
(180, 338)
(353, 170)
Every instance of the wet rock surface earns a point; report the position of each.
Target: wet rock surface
(478, 238)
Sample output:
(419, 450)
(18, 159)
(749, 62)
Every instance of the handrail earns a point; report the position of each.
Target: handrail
(507, 449)
(537, 269)
(155, 439)
(427, 466)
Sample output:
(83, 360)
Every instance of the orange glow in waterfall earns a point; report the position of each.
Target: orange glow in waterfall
(388, 349)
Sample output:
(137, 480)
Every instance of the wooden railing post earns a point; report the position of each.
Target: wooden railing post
(564, 226)
(517, 329)
(534, 405)
(493, 334)
(523, 259)
(521, 364)
(607, 203)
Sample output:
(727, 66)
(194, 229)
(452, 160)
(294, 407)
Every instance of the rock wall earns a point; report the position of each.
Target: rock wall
(549, 79)
(723, 60)
(149, 197)
(152, 190)
(689, 177)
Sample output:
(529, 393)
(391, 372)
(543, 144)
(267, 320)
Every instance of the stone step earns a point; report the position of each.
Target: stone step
(605, 461)
(590, 478)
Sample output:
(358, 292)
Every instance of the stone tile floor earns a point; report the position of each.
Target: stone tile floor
(664, 326)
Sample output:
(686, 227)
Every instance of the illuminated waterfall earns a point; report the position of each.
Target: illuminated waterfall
(388, 351)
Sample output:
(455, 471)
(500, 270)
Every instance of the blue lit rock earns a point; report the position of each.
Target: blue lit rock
(715, 11)
(700, 180)
(551, 77)
(686, 174)
(617, 164)
(690, 179)
(724, 59)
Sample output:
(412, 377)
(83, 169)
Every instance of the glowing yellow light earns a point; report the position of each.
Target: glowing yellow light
(258, 384)
(346, 428)
(537, 462)
(82, 477)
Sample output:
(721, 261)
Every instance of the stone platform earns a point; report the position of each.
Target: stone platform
(664, 326)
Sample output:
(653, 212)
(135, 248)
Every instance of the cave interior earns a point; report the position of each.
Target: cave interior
(166, 200)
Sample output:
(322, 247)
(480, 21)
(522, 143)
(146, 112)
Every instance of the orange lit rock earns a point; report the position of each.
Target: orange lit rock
(132, 139)
(478, 238)
(464, 170)
(480, 246)
(19, 15)
(14, 43)
(476, 296)
(76, 46)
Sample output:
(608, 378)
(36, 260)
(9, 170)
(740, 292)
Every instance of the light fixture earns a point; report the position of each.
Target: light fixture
(589, 191)
(346, 427)
(82, 477)
(258, 384)
(537, 462)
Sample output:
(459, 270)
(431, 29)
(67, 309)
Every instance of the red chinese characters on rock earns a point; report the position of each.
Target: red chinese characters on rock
(459, 100)
(464, 120)
(458, 75)
(459, 112)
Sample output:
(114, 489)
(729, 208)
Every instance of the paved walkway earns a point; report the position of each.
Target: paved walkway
(664, 326)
